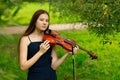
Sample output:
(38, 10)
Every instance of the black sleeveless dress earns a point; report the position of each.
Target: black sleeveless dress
(41, 70)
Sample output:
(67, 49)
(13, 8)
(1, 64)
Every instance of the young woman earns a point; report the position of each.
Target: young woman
(36, 55)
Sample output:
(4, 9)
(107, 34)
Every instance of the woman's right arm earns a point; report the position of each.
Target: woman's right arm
(24, 63)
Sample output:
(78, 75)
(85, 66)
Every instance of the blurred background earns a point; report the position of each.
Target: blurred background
(102, 36)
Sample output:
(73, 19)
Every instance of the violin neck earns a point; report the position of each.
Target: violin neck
(91, 54)
(83, 49)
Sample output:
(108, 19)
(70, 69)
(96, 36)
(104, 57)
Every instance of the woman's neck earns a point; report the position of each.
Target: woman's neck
(38, 32)
(37, 36)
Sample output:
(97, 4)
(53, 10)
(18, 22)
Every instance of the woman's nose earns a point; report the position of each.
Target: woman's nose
(44, 22)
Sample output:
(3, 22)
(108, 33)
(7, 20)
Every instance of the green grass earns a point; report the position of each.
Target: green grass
(9, 65)
(106, 67)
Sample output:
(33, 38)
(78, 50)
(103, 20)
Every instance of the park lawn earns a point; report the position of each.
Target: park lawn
(106, 67)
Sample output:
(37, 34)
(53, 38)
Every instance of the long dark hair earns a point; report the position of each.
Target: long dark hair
(32, 25)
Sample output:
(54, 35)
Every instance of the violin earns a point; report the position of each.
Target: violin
(68, 44)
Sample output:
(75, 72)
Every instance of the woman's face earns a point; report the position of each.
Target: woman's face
(42, 22)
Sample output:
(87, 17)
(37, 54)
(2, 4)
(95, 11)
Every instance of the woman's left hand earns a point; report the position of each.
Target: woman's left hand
(75, 49)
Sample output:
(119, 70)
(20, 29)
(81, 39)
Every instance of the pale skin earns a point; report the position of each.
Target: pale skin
(36, 36)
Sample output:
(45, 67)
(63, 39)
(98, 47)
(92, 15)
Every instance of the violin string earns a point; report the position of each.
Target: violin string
(69, 42)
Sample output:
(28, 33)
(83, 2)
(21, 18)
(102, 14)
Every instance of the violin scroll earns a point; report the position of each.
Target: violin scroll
(92, 55)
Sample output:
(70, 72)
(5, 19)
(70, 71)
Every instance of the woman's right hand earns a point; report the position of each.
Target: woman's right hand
(44, 46)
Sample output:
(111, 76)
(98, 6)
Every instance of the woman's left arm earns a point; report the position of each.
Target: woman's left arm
(57, 62)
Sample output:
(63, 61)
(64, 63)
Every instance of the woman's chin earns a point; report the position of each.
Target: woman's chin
(43, 29)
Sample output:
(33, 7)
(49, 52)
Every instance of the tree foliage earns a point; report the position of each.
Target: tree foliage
(6, 6)
(103, 16)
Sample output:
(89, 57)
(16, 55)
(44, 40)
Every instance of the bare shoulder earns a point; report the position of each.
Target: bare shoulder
(25, 40)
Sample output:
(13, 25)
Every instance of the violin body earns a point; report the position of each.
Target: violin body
(56, 39)
(68, 44)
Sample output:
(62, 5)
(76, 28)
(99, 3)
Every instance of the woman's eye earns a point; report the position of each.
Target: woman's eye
(46, 20)
(41, 19)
